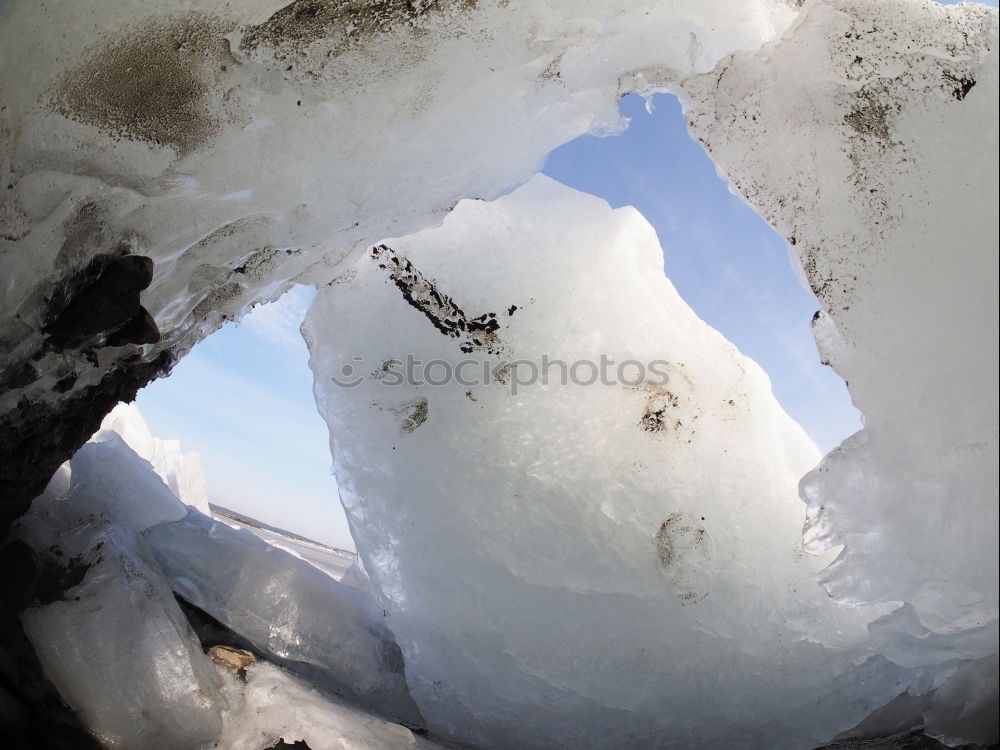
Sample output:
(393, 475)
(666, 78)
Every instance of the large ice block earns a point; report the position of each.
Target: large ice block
(614, 560)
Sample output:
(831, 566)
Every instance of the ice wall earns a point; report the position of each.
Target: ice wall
(875, 153)
(572, 565)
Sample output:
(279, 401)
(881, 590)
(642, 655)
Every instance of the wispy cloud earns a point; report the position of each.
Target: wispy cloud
(278, 322)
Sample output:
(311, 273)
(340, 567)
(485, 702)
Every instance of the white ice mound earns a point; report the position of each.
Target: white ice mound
(120, 651)
(118, 646)
(105, 480)
(578, 565)
(182, 472)
(122, 475)
(330, 632)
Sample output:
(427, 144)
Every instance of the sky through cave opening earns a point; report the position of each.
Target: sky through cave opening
(243, 397)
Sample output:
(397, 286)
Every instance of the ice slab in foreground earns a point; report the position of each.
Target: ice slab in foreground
(120, 651)
(573, 565)
(106, 628)
(331, 632)
(117, 646)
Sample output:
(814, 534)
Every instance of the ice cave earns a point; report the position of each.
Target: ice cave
(666, 561)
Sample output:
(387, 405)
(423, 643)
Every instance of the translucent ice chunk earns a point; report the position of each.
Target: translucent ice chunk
(332, 632)
(121, 653)
(276, 705)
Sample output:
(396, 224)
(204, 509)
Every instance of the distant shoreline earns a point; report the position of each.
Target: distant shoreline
(250, 521)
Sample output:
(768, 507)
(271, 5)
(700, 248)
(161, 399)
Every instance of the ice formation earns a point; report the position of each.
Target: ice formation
(606, 563)
(275, 704)
(105, 625)
(112, 638)
(182, 472)
(892, 214)
(120, 463)
(333, 633)
(120, 651)
(164, 168)
(242, 148)
(103, 482)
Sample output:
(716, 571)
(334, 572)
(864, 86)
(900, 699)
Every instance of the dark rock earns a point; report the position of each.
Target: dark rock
(101, 300)
(141, 329)
(37, 436)
(281, 744)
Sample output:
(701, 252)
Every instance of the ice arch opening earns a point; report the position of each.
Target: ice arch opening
(666, 526)
(860, 170)
(270, 82)
(243, 399)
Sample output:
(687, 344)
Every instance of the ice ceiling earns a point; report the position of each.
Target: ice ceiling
(164, 168)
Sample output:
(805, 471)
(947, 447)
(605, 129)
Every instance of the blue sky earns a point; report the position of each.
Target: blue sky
(726, 262)
(243, 397)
